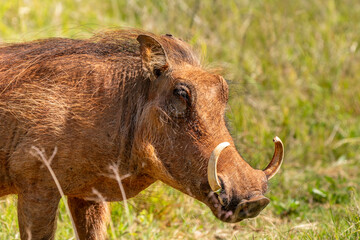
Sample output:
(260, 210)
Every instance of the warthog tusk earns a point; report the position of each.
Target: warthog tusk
(212, 169)
(277, 159)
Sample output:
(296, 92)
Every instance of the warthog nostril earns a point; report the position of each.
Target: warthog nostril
(251, 208)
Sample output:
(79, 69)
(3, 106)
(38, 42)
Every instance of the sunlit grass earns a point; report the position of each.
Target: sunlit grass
(293, 70)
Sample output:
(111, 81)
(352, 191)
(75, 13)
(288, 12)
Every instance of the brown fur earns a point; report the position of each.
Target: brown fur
(110, 101)
(90, 218)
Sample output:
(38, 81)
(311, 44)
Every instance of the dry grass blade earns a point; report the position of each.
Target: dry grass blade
(47, 161)
(115, 170)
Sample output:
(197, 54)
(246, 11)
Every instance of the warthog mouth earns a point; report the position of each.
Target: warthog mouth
(218, 209)
(245, 209)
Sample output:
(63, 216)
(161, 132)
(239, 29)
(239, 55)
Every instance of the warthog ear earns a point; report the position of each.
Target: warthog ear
(153, 57)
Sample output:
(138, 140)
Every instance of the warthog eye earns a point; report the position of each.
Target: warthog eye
(180, 101)
(182, 94)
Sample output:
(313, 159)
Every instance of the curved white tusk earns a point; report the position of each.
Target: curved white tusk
(212, 169)
(277, 159)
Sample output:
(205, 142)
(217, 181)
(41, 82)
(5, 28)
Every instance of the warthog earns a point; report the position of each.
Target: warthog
(123, 103)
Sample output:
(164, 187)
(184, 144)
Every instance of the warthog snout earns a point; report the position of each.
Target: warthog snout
(250, 208)
(235, 210)
(237, 190)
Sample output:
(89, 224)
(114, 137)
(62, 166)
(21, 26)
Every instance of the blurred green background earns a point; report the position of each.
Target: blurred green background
(293, 69)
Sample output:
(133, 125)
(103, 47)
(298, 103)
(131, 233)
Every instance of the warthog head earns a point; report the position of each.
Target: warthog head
(183, 132)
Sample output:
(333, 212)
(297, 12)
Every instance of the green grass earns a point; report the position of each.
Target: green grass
(293, 70)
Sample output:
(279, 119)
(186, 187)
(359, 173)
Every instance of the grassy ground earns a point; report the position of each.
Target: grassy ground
(293, 69)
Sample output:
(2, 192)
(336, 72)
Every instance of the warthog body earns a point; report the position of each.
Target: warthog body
(126, 103)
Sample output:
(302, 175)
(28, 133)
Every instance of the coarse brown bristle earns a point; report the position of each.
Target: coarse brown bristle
(22, 61)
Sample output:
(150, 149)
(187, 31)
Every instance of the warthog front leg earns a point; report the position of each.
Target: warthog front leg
(90, 218)
(37, 215)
